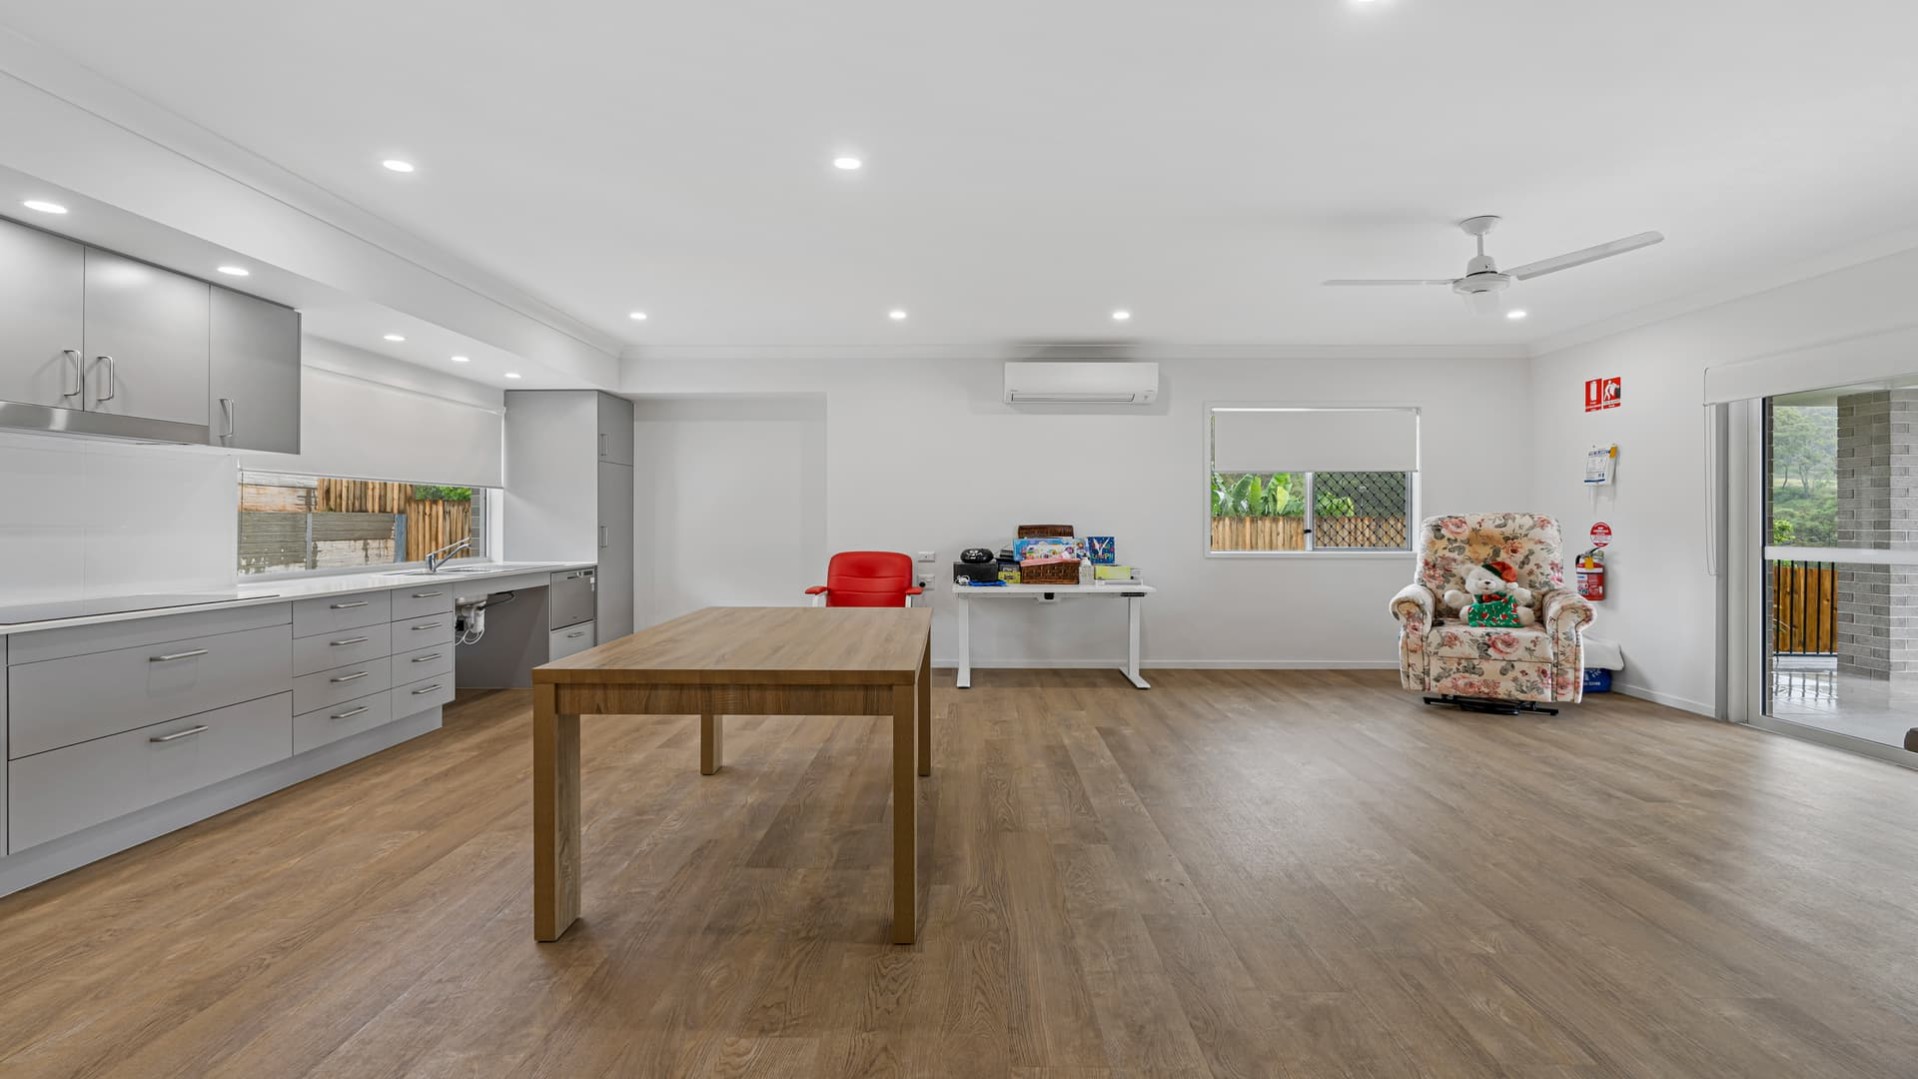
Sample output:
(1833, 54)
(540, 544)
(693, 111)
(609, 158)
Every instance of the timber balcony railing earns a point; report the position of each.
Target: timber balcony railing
(1804, 602)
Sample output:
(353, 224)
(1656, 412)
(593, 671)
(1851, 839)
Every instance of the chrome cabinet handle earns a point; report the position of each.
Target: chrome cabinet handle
(232, 410)
(427, 625)
(349, 640)
(177, 735)
(354, 677)
(576, 633)
(113, 376)
(350, 713)
(428, 659)
(426, 689)
(176, 655)
(79, 373)
(349, 606)
(602, 443)
(602, 537)
(427, 595)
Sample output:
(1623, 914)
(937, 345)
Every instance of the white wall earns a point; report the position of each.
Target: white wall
(924, 455)
(1661, 605)
(729, 502)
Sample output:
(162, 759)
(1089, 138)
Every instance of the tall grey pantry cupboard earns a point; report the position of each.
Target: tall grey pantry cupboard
(569, 491)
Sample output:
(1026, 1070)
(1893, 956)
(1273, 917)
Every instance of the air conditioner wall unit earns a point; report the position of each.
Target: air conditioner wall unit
(1082, 383)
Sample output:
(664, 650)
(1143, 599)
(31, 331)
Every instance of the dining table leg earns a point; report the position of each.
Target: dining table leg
(712, 738)
(905, 814)
(925, 710)
(555, 816)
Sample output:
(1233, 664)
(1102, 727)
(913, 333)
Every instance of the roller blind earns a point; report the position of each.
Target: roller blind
(361, 429)
(1881, 358)
(1315, 439)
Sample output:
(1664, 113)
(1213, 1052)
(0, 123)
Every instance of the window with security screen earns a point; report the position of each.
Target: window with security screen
(1295, 480)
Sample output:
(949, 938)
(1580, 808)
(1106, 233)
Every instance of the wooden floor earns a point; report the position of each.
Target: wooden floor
(1297, 873)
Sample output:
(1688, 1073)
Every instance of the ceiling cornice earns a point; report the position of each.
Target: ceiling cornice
(1015, 350)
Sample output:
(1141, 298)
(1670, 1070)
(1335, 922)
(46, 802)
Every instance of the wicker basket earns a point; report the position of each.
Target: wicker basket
(1044, 531)
(1050, 573)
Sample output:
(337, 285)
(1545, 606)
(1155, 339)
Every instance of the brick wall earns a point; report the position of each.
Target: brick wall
(1878, 508)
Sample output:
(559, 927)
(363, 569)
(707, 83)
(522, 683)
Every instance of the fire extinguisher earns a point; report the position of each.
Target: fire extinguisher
(1591, 574)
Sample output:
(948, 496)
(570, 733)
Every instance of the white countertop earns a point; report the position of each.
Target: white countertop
(285, 590)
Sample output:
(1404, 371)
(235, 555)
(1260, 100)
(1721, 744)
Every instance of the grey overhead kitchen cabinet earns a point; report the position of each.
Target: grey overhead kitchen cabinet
(42, 316)
(254, 380)
(146, 341)
(95, 343)
(569, 490)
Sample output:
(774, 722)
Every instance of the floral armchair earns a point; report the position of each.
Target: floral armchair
(1439, 653)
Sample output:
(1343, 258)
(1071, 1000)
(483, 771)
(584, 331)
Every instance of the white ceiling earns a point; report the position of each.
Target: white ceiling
(1030, 167)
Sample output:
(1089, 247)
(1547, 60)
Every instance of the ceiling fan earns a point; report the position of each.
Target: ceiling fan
(1484, 281)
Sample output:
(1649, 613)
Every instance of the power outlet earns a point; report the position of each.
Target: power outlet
(928, 556)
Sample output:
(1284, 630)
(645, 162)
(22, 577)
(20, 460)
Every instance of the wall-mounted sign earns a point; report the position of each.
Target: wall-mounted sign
(1603, 393)
(1601, 534)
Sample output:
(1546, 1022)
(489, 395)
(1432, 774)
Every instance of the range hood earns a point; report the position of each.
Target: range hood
(19, 416)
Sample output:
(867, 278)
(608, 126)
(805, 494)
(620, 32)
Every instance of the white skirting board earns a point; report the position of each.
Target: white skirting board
(49, 860)
(950, 662)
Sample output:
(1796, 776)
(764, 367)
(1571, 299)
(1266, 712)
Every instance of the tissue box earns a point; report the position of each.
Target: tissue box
(1112, 573)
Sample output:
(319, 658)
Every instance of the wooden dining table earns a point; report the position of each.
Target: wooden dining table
(753, 661)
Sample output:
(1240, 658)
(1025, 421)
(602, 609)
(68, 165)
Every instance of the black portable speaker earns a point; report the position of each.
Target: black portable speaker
(975, 555)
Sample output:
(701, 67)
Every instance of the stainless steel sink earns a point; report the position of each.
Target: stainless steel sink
(490, 567)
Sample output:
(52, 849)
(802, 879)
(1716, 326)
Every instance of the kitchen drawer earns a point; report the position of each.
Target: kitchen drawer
(421, 695)
(564, 642)
(322, 688)
(413, 634)
(314, 729)
(417, 602)
(330, 614)
(313, 654)
(58, 702)
(60, 792)
(37, 645)
(570, 598)
(434, 659)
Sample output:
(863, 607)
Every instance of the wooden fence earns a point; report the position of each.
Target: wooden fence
(1804, 608)
(1288, 533)
(333, 522)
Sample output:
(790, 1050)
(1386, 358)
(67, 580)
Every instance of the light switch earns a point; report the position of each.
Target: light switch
(928, 556)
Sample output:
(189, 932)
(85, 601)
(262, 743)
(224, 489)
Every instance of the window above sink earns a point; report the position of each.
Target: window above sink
(292, 524)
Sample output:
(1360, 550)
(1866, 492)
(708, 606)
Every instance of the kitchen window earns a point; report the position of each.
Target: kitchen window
(1290, 480)
(292, 523)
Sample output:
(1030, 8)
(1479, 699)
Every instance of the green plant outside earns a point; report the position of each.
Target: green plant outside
(1250, 494)
(428, 493)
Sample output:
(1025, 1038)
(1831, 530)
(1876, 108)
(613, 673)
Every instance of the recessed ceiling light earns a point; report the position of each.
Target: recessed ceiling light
(897, 314)
(1121, 315)
(637, 316)
(462, 359)
(45, 207)
(1515, 314)
(394, 164)
(512, 374)
(849, 164)
(236, 271)
(395, 337)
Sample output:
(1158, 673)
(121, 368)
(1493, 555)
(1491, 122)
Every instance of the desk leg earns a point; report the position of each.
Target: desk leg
(712, 738)
(1132, 643)
(905, 816)
(965, 643)
(555, 817)
(925, 710)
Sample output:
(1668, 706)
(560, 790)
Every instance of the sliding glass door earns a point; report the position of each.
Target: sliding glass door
(1838, 522)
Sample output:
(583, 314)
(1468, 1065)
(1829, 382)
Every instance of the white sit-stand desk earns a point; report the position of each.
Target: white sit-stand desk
(1130, 591)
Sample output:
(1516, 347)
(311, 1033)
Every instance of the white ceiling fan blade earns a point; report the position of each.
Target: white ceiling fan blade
(1580, 258)
(1405, 281)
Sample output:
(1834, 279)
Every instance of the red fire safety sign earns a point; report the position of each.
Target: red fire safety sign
(1603, 393)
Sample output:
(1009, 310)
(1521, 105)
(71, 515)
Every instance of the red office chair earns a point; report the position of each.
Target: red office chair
(866, 579)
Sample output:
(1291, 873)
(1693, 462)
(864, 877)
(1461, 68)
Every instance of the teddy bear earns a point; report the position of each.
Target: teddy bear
(1493, 597)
